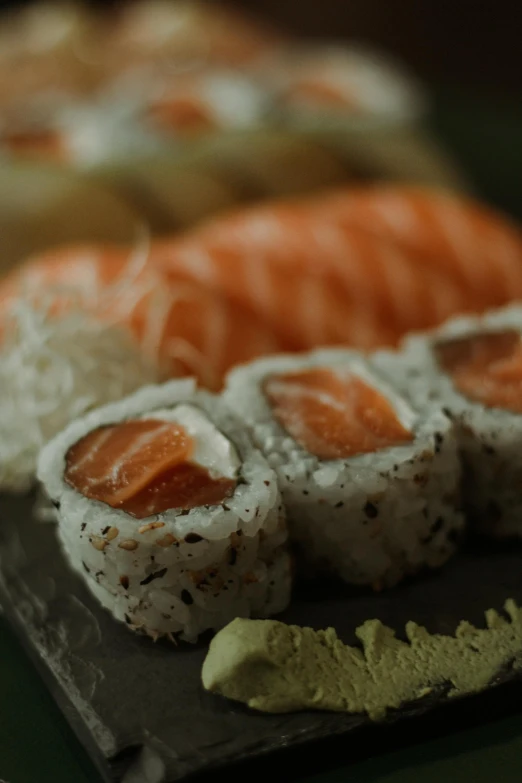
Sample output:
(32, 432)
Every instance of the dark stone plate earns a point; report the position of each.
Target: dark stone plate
(139, 707)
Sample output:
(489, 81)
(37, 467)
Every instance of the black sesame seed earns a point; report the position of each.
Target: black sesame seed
(489, 449)
(239, 532)
(340, 504)
(186, 597)
(232, 557)
(124, 582)
(370, 510)
(266, 483)
(57, 504)
(105, 530)
(83, 525)
(447, 412)
(305, 492)
(86, 567)
(127, 619)
(156, 575)
(193, 538)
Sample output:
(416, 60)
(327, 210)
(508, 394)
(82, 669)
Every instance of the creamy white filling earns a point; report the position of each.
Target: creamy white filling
(213, 450)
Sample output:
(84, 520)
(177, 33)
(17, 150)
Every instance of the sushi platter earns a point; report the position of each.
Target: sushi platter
(325, 487)
(260, 389)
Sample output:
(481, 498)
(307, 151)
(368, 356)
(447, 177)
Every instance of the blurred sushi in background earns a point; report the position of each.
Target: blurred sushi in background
(181, 109)
(324, 83)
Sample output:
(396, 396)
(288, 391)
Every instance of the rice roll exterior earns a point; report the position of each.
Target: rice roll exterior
(471, 368)
(370, 483)
(169, 513)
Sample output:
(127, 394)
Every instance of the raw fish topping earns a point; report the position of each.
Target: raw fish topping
(143, 467)
(334, 415)
(486, 367)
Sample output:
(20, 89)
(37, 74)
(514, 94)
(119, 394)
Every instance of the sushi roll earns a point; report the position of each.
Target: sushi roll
(178, 36)
(344, 86)
(169, 513)
(370, 482)
(470, 367)
(207, 102)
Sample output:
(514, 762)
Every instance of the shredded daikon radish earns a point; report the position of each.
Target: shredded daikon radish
(53, 370)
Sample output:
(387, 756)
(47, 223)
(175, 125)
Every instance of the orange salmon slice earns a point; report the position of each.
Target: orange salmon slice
(485, 367)
(333, 415)
(317, 91)
(182, 114)
(143, 468)
(41, 143)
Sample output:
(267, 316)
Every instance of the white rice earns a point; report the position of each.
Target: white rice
(179, 572)
(490, 439)
(371, 519)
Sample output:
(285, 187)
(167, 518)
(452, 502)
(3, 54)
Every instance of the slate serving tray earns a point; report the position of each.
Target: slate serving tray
(139, 708)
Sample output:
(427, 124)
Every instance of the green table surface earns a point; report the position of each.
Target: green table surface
(36, 744)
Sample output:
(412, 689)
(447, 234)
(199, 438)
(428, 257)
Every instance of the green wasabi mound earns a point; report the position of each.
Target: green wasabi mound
(274, 667)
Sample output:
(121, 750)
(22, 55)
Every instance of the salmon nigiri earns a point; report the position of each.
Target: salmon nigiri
(314, 283)
(182, 327)
(479, 249)
(313, 269)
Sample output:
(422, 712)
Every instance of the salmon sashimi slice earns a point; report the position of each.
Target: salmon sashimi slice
(333, 415)
(480, 250)
(313, 283)
(303, 308)
(143, 467)
(485, 367)
(41, 143)
(318, 92)
(182, 114)
(182, 326)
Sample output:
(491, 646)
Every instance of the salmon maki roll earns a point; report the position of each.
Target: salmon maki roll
(472, 369)
(370, 482)
(172, 517)
(344, 85)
